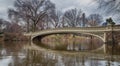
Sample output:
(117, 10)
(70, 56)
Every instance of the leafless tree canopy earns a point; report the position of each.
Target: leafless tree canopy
(33, 15)
(73, 17)
(94, 20)
(31, 10)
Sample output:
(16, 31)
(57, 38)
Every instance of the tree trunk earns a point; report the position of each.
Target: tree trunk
(28, 26)
(34, 27)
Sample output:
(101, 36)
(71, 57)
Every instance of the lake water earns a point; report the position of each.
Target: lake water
(29, 54)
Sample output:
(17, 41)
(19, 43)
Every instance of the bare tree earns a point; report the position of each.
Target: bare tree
(56, 19)
(94, 20)
(6, 26)
(31, 11)
(13, 16)
(63, 23)
(15, 28)
(72, 17)
(2, 24)
(51, 12)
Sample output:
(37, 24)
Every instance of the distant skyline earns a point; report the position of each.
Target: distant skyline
(87, 6)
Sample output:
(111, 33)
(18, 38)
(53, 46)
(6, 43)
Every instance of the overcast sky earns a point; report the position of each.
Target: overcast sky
(4, 5)
(87, 6)
(82, 4)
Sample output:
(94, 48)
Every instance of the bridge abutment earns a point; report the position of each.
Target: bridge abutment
(105, 42)
(111, 42)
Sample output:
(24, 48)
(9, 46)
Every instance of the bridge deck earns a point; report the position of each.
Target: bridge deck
(76, 29)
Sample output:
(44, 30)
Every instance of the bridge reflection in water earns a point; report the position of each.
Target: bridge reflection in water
(29, 54)
(46, 57)
(104, 33)
(70, 42)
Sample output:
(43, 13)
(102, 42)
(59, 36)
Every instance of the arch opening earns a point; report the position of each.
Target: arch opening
(39, 37)
(64, 44)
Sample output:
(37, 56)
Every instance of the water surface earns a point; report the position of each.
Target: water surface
(29, 54)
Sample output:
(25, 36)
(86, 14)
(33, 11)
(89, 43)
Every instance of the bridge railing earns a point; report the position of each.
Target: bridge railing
(100, 28)
(75, 28)
(116, 27)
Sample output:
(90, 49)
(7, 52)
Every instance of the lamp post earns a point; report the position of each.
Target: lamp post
(111, 23)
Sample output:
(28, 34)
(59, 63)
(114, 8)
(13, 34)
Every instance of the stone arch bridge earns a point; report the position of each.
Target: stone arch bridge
(105, 33)
(100, 32)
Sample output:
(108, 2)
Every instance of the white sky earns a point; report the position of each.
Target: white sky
(87, 6)
(4, 5)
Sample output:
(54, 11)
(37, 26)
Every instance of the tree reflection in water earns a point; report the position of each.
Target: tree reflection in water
(46, 58)
(23, 54)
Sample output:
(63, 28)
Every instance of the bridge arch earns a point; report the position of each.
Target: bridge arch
(46, 33)
(101, 32)
(84, 30)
